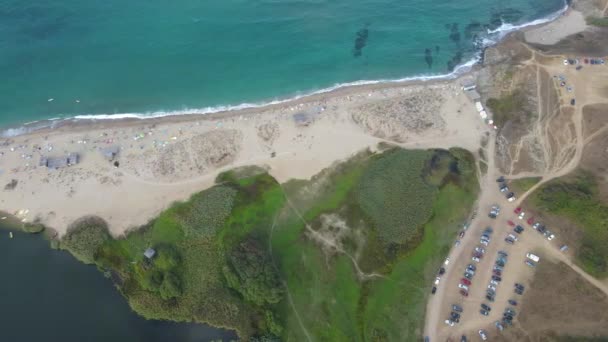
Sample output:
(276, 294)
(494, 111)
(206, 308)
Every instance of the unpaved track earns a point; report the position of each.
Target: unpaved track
(557, 164)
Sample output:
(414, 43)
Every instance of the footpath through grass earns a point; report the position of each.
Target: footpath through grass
(576, 198)
(347, 256)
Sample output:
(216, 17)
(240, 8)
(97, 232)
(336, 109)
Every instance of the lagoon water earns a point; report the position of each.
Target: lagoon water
(46, 295)
(61, 58)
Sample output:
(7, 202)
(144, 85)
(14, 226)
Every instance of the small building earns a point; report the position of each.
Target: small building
(478, 106)
(468, 84)
(302, 119)
(149, 253)
(110, 152)
(473, 95)
(60, 162)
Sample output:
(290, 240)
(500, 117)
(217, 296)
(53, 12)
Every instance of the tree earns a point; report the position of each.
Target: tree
(251, 272)
(170, 287)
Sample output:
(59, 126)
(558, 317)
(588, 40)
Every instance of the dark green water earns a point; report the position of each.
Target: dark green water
(46, 295)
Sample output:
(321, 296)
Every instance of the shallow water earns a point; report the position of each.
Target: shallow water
(93, 57)
(49, 296)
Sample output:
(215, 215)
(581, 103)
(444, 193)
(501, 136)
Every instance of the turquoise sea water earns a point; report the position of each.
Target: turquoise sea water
(147, 56)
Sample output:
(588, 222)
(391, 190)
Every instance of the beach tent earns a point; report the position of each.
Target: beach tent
(478, 106)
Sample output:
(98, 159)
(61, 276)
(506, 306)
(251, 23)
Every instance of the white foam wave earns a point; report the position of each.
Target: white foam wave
(506, 28)
(493, 38)
(210, 110)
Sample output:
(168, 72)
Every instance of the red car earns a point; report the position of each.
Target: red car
(465, 281)
(511, 223)
(464, 293)
(517, 210)
(461, 235)
(531, 220)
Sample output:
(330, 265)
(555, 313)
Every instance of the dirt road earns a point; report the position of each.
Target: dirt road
(562, 158)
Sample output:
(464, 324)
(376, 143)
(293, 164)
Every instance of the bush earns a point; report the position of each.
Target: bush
(508, 107)
(394, 195)
(170, 287)
(84, 238)
(33, 228)
(598, 21)
(207, 211)
(252, 273)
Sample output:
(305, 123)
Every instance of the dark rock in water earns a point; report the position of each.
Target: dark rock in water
(428, 57)
(360, 41)
(472, 29)
(507, 15)
(436, 48)
(454, 33)
(456, 59)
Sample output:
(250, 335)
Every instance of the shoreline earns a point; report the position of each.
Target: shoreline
(215, 112)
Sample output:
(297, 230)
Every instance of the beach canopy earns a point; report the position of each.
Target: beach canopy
(478, 106)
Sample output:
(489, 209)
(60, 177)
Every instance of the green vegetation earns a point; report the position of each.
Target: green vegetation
(84, 238)
(597, 21)
(347, 256)
(393, 193)
(33, 228)
(576, 198)
(524, 184)
(508, 107)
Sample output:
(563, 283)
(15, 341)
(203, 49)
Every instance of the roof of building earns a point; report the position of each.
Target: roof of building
(149, 253)
(473, 94)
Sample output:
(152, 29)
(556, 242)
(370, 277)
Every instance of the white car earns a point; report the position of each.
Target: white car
(449, 322)
(566, 62)
(457, 243)
(492, 287)
(521, 215)
(476, 259)
(463, 286)
(447, 261)
(493, 282)
(483, 334)
(551, 237)
(511, 199)
(437, 280)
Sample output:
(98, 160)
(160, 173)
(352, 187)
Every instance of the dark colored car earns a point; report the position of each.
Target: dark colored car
(511, 312)
(572, 102)
(441, 271)
(471, 267)
(519, 292)
(518, 229)
(464, 292)
(488, 230)
(513, 302)
(503, 254)
(484, 312)
(457, 308)
(455, 316)
(468, 275)
(497, 278)
(490, 298)
(500, 179)
(519, 286)
(433, 290)
(485, 307)
(497, 273)
(463, 338)
(510, 194)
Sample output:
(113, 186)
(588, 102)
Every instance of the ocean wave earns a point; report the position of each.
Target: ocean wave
(506, 28)
(494, 36)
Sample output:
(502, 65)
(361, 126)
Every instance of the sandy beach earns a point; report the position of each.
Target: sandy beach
(571, 22)
(129, 170)
(160, 161)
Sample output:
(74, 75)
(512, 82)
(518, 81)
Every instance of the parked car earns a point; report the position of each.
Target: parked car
(521, 215)
(497, 273)
(496, 278)
(504, 188)
(437, 279)
(490, 298)
(483, 334)
(493, 282)
(476, 259)
(471, 267)
(457, 308)
(485, 307)
(513, 302)
(500, 179)
(492, 287)
(449, 322)
(510, 311)
(465, 281)
(511, 223)
(464, 293)
(517, 210)
(530, 263)
(463, 286)
(484, 312)
(530, 221)
(551, 237)
(499, 326)
(572, 102)
(563, 248)
(518, 229)
(512, 237)
(480, 250)
(532, 257)
(447, 261)
(468, 275)
(433, 290)
(441, 271)
(488, 230)
(503, 254)
(509, 241)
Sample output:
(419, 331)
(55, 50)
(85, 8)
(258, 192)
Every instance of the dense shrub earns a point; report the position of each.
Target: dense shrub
(252, 273)
(170, 287)
(394, 195)
(207, 211)
(84, 238)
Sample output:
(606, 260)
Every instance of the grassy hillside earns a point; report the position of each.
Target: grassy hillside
(347, 256)
(576, 198)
